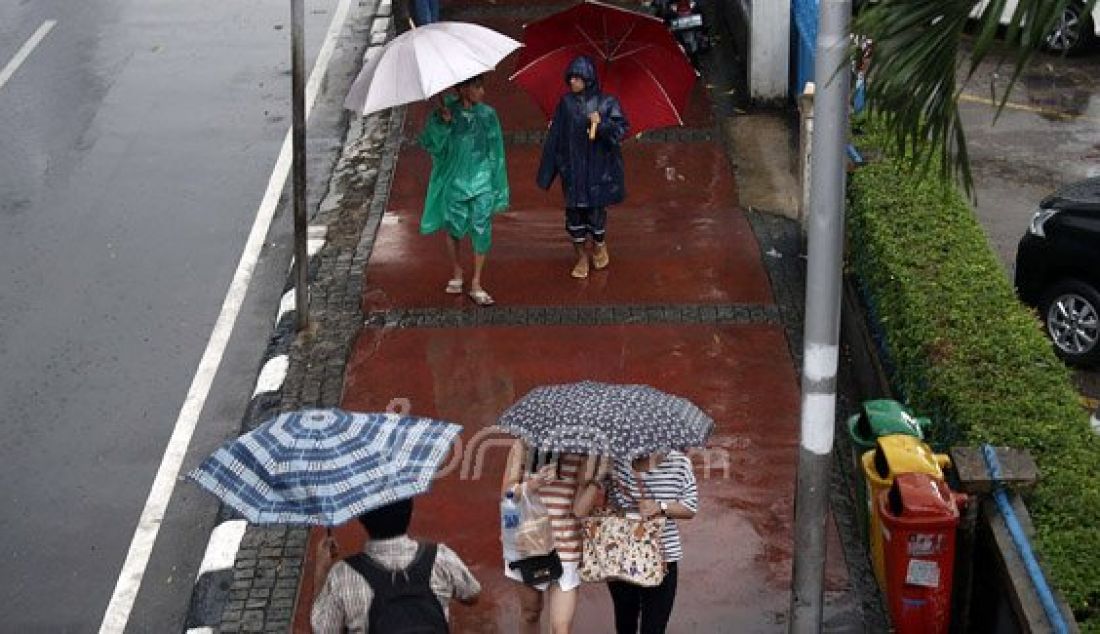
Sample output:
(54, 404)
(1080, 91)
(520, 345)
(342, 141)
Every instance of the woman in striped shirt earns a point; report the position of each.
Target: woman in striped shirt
(554, 478)
(668, 490)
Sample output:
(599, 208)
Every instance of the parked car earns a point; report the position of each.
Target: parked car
(1058, 270)
(1074, 30)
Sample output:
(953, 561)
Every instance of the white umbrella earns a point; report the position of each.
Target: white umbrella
(425, 61)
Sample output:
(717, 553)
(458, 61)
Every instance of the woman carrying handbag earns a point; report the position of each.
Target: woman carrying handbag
(657, 486)
(553, 479)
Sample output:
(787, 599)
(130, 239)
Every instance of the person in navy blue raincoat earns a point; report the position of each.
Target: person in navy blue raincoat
(583, 147)
(424, 11)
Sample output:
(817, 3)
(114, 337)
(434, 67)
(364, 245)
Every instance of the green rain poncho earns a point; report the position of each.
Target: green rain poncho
(469, 181)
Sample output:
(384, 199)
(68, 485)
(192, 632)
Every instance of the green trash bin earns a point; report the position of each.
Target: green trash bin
(883, 417)
(876, 418)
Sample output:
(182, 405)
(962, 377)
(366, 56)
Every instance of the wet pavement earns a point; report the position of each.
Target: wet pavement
(686, 306)
(1047, 136)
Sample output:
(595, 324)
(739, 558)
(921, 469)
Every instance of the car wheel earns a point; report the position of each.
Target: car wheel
(1071, 313)
(1072, 31)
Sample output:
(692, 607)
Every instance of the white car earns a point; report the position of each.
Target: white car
(1073, 31)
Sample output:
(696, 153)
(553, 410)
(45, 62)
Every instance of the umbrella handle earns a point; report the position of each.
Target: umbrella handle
(592, 131)
(334, 551)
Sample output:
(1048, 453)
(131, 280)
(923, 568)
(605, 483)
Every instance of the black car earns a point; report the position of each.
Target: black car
(1058, 270)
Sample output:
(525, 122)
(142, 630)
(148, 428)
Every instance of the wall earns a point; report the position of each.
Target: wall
(770, 48)
(761, 31)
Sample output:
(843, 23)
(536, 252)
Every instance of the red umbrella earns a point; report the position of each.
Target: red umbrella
(637, 60)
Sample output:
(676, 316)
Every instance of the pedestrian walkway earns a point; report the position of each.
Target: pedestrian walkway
(685, 306)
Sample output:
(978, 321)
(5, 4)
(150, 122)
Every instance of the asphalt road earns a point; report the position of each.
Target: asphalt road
(136, 141)
(1047, 136)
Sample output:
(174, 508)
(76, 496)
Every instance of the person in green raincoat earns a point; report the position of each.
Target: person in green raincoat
(469, 181)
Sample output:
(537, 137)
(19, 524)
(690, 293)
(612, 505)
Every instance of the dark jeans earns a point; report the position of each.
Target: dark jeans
(653, 605)
(582, 222)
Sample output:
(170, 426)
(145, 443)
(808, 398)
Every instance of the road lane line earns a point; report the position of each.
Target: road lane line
(126, 589)
(25, 51)
(1023, 107)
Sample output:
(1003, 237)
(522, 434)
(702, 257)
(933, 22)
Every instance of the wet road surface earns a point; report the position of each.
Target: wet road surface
(1048, 136)
(137, 141)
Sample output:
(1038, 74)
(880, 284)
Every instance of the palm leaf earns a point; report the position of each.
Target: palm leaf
(912, 81)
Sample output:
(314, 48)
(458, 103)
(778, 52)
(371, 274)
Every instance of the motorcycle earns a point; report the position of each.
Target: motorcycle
(685, 19)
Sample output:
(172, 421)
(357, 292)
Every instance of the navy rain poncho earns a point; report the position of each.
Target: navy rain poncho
(591, 170)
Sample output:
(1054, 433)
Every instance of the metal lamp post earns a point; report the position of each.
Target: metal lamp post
(298, 143)
(822, 330)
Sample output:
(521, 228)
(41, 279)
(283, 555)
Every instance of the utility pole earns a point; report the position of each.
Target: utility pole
(822, 330)
(298, 143)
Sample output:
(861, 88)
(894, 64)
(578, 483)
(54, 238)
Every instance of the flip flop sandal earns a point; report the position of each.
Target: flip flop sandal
(454, 287)
(481, 298)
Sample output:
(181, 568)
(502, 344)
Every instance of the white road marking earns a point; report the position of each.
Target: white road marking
(315, 241)
(141, 546)
(25, 51)
(221, 550)
(272, 375)
(286, 304)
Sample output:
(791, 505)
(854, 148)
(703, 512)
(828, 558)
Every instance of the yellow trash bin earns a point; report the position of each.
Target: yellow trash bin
(894, 455)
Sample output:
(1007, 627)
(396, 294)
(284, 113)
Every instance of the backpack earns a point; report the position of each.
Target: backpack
(403, 601)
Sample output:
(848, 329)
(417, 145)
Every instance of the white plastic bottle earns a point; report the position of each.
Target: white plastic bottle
(509, 524)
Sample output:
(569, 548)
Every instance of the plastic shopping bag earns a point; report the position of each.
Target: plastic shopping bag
(535, 535)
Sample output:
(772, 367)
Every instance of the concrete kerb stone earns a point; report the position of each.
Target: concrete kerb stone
(258, 591)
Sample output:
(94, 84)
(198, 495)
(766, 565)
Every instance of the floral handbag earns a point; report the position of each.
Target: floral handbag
(618, 548)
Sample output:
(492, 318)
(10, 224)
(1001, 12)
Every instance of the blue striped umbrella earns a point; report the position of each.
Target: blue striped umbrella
(325, 466)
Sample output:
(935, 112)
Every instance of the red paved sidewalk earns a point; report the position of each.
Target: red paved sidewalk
(680, 241)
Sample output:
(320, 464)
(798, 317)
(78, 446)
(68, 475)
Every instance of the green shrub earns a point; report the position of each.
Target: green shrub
(962, 349)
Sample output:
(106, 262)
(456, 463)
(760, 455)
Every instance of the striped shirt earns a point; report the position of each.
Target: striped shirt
(558, 495)
(671, 481)
(343, 605)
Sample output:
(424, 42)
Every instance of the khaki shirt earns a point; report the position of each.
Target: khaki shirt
(344, 602)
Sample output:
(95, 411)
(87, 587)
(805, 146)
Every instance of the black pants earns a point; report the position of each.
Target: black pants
(653, 605)
(582, 222)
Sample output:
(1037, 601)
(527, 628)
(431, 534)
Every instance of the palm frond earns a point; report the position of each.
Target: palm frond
(911, 81)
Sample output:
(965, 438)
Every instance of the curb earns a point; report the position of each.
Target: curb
(249, 576)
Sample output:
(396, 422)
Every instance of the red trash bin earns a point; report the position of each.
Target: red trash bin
(920, 516)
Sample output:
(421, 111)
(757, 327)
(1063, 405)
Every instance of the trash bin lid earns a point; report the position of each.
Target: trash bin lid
(899, 454)
(919, 495)
(883, 417)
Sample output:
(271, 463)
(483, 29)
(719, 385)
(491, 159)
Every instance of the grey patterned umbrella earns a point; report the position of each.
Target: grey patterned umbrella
(622, 421)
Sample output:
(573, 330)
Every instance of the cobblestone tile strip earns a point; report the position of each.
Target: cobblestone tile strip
(577, 316)
(667, 135)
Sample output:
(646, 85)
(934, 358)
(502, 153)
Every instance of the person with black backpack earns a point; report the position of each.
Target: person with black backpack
(395, 586)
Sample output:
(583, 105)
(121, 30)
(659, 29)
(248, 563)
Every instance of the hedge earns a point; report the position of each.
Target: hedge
(961, 348)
